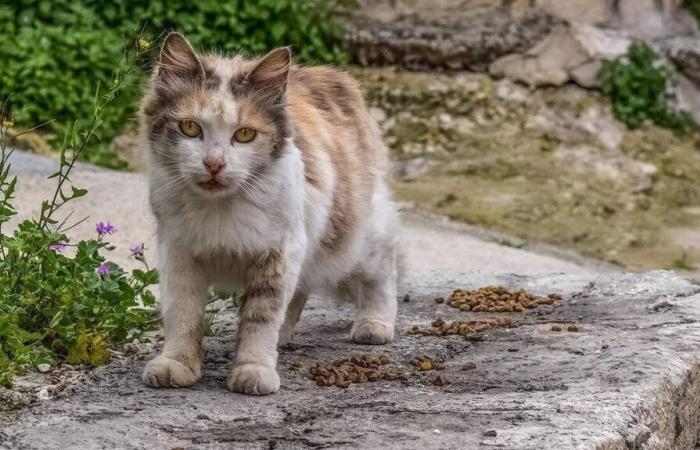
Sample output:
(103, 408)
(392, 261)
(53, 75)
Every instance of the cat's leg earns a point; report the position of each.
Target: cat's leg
(375, 296)
(270, 283)
(184, 295)
(292, 317)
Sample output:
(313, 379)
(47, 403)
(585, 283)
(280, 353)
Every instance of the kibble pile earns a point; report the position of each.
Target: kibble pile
(357, 369)
(499, 299)
(462, 327)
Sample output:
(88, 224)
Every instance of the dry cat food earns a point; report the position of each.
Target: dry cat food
(499, 299)
(462, 327)
(425, 363)
(363, 368)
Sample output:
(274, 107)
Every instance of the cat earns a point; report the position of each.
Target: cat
(269, 177)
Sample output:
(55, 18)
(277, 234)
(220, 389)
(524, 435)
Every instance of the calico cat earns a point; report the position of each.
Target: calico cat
(270, 178)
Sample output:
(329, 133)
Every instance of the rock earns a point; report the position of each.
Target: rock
(552, 61)
(628, 173)
(628, 379)
(593, 124)
(601, 125)
(587, 75)
(410, 169)
(470, 42)
(510, 92)
(597, 12)
(11, 400)
(688, 97)
(43, 368)
(599, 43)
(43, 394)
(684, 52)
(652, 19)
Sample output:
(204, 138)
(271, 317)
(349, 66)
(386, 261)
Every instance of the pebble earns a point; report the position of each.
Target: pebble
(43, 394)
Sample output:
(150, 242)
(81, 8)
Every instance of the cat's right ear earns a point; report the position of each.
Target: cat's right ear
(178, 60)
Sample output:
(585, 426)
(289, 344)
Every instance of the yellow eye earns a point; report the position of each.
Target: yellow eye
(244, 135)
(190, 128)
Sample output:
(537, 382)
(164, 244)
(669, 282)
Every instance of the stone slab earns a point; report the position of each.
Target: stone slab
(630, 378)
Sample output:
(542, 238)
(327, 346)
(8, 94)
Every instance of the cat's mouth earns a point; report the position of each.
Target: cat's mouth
(212, 185)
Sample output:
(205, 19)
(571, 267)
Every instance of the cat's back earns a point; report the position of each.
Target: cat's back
(340, 143)
(327, 106)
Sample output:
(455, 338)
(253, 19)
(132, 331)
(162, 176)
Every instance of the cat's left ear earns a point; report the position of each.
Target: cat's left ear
(270, 74)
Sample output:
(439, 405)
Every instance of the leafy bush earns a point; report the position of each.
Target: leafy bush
(55, 51)
(694, 7)
(56, 307)
(638, 86)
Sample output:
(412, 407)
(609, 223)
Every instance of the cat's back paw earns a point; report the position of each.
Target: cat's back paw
(372, 332)
(162, 371)
(253, 379)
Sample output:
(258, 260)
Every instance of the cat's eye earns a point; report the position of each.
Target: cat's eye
(244, 135)
(190, 128)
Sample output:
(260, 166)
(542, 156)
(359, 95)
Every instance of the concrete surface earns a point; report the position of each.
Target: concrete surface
(629, 379)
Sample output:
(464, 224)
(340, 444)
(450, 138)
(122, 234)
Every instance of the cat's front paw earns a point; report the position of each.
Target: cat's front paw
(254, 379)
(372, 332)
(162, 371)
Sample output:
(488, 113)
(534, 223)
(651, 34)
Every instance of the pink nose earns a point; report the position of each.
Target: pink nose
(214, 164)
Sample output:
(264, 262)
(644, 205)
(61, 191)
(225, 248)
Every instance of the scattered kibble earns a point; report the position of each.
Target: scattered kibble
(469, 366)
(499, 299)
(298, 365)
(462, 327)
(425, 363)
(556, 328)
(406, 298)
(439, 300)
(364, 368)
(438, 380)
(573, 328)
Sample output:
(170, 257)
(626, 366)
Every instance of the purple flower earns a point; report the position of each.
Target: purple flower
(136, 250)
(103, 269)
(105, 228)
(57, 247)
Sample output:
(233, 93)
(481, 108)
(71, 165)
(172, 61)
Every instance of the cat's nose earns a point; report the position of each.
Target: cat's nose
(214, 164)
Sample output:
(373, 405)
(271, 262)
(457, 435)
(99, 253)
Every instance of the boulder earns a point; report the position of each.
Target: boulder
(416, 42)
(567, 49)
(684, 51)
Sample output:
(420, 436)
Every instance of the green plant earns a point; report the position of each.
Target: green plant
(54, 306)
(684, 262)
(693, 6)
(638, 86)
(55, 51)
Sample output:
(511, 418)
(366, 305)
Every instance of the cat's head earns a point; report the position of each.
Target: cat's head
(215, 123)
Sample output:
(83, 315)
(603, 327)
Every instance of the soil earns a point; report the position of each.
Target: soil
(549, 166)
